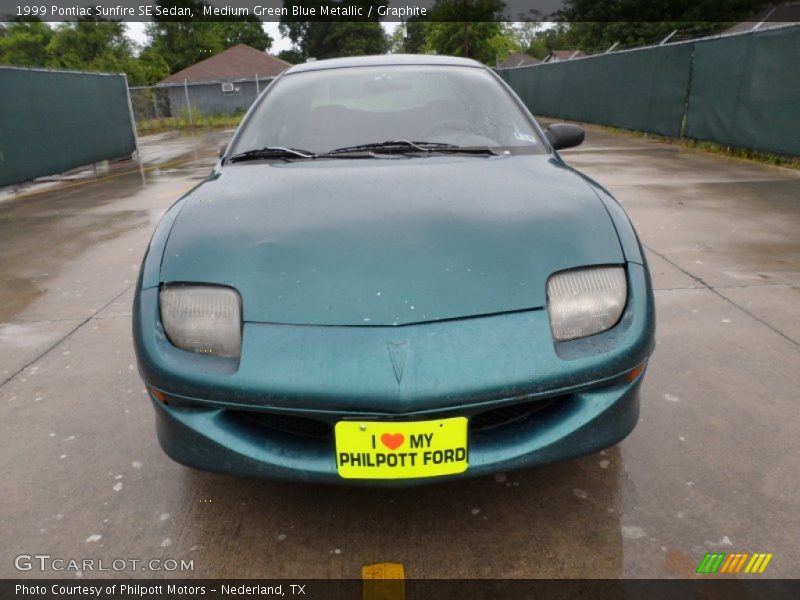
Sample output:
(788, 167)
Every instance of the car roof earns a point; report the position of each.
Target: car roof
(384, 60)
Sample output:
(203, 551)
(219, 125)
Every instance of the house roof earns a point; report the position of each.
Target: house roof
(239, 62)
(519, 59)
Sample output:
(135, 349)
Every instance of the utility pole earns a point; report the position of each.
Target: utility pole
(465, 50)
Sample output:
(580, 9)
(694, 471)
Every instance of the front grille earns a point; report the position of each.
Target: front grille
(290, 424)
(313, 428)
(505, 415)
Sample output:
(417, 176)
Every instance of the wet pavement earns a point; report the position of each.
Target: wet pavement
(712, 465)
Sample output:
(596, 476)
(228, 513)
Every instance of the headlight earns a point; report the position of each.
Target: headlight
(585, 301)
(202, 318)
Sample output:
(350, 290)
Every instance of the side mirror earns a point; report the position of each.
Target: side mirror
(565, 135)
(222, 150)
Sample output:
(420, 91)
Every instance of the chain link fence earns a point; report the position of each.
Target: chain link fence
(150, 103)
(199, 104)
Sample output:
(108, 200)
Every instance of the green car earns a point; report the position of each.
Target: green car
(390, 277)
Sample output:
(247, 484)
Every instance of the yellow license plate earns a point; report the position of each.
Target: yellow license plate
(401, 449)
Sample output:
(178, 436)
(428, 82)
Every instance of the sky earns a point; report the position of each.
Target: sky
(136, 31)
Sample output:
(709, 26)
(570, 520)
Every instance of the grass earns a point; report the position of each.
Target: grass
(183, 122)
(769, 158)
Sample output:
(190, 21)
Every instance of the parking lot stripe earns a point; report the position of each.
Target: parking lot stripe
(383, 581)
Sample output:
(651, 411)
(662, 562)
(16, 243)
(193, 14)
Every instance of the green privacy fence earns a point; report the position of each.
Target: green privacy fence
(641, 89)
(746, 91)
(52, 121)
(741, 90)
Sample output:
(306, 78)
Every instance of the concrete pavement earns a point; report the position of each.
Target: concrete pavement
(712, 466)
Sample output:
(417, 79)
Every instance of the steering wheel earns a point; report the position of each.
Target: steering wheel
(447, 125)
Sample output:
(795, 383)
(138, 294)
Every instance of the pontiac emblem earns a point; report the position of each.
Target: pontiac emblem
(397, 354)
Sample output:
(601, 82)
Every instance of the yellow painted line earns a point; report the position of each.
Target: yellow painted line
(173, 193)
(383, 581)
(764, 564)
(85, 182)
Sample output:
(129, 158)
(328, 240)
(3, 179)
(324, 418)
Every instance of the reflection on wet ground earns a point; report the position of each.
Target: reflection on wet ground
(43, 232)
(29, 264)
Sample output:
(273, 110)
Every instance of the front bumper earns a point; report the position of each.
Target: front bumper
(222, 440)
(452, 368)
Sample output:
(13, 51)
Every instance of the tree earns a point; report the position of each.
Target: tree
(633, 11)
(503, 43)
(83, 43)
(595, 25)
(86, 45)
(249, 31)
(152, 68)
(469, 39)
(358, 36)
(343, 38)
(183, 41)
(524, 32)
(25, 44)
(560, 37)
(292, 56)
(413, 42)
(464, 28)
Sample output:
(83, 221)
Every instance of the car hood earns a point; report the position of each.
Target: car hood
(388, 241)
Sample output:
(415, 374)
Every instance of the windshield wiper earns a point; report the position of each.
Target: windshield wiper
(387, 147)
(390, 146)
(465, 150)
(272, 152)
(401, 146)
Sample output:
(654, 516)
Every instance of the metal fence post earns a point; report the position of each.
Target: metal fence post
(685, 116)
(188, 104)
(668, 38)
(133, 117)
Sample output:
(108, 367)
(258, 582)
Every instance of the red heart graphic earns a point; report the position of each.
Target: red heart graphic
(393, 440)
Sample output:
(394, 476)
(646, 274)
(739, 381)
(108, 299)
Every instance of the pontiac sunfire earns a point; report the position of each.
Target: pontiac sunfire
(391, 276)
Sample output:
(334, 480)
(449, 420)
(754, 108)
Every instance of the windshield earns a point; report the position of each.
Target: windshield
(323, 110)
